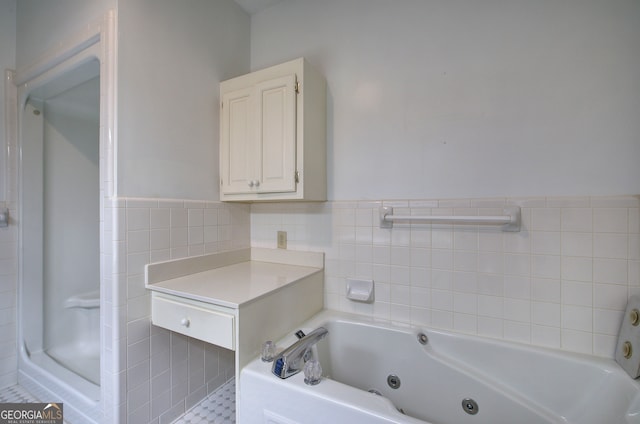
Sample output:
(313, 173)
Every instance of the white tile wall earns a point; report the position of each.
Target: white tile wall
(561, 282)
(8, 296)
(9, 243)
(152, 375)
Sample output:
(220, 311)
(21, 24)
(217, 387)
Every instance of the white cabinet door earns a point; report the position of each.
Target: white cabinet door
(277, 133)
(238, 144)
(273, 135)
(258, 138)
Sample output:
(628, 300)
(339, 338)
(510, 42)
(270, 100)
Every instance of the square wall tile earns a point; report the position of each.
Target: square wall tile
(577, 220)
(610, 220)
(546, 219)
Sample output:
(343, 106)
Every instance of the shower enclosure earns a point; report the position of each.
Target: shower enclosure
(60, 235)
(65, 120)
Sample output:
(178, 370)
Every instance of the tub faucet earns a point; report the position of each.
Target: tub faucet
(292, 359)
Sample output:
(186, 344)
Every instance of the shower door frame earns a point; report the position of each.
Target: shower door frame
(96, 42)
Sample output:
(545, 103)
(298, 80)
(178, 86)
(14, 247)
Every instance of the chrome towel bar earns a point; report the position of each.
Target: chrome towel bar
(510, 221)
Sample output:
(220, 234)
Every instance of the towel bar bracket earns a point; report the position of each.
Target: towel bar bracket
(4, 217)
(510, 221)
(384, 212)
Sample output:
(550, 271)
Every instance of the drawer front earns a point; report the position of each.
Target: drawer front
(193, 321)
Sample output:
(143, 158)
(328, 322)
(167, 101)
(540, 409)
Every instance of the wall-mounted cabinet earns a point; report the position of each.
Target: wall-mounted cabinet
(273, 135)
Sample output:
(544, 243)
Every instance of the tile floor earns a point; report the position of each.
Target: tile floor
(218, 408)
(16, 394)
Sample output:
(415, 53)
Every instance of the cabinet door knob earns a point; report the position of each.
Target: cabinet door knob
(256, 183)
(185, 322)
(250, 183)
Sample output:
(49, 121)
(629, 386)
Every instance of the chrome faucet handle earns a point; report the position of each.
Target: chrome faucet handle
(268, 351)
(292, 359)
(312, 372)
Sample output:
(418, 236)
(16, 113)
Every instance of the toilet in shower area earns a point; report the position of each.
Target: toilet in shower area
(80, 351)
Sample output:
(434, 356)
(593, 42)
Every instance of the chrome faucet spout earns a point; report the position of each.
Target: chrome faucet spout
(292, 359)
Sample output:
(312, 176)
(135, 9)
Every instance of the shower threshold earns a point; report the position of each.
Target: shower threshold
(70, 378)
(49, 381)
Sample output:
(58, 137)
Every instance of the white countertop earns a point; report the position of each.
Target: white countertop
(236, 284)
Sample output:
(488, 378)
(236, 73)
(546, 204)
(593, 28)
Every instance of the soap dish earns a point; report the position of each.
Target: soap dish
(360, 290)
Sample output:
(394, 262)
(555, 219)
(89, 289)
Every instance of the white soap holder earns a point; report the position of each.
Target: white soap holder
(360, 290)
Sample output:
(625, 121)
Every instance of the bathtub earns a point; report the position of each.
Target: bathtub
(439, 377)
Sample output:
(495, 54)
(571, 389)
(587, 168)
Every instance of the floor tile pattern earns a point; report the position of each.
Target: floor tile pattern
(218, 408)
(16, 394)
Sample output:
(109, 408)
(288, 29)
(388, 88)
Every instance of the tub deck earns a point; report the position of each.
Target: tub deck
(509, 382)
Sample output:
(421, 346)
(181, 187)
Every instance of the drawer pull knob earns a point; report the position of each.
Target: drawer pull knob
(185, 322)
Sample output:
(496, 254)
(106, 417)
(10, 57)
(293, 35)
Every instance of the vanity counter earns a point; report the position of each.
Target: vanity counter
(235, 285)
(237, 299)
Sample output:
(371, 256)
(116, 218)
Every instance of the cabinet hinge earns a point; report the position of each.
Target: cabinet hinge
(296, 86)
(297, 177)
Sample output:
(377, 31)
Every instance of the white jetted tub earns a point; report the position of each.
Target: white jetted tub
(450, 379)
